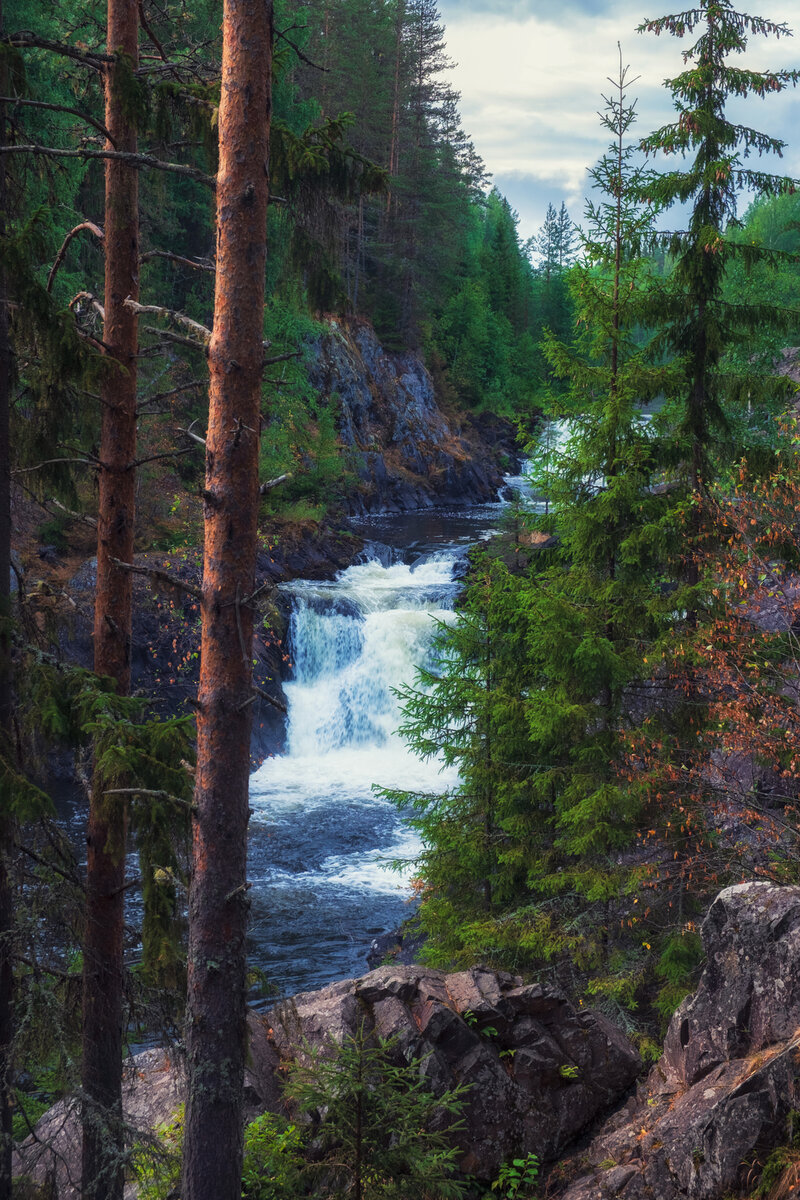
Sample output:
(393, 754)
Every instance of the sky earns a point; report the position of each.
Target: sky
(531, 74)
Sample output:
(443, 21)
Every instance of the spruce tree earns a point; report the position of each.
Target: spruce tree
(698, 325)
(594, 610)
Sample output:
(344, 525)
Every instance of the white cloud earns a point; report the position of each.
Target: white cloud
(531, 89)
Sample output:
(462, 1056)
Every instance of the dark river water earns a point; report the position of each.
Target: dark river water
(321, 840)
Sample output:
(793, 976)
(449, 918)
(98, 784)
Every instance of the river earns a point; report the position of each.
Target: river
(321, 840)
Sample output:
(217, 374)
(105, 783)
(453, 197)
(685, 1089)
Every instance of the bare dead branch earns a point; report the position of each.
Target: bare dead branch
(268, 362)
(87, 520)
(95, 59)
(270, 700)
(75, 112)
(146, 27)
(133, 160)
(95, 303)
(48, 462)
(197, 265)
(273, 483)
(169, 314)
(176, 391)
(299, 53)
(269, 586)
(139, 462)
(150, 794)
(194, 436)
(168, 336)
(156, 575)
(90, 225)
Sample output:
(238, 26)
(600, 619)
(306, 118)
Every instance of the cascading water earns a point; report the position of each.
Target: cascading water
(320, 837)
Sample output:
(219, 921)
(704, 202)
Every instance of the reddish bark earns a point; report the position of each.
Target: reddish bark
(218, 904)
(103, 968)
(6, 823)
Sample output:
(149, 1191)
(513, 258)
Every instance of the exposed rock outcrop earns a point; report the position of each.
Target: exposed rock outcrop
(539, 1070)
(408, 453)
(720, 1096)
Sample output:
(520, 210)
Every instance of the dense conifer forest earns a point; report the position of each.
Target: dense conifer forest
(188, 207)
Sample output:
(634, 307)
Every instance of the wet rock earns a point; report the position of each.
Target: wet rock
(722, 1093)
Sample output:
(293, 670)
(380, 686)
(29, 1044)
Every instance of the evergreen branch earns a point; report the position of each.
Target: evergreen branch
(133, 160)
(178, 258)
(75, 112)
(157, 575)
(95, 59)
(268, 362)
(90, 225)
(169, 314)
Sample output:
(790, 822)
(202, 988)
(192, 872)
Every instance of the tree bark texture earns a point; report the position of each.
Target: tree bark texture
(103, 946)
(6, 822)
(218, 906)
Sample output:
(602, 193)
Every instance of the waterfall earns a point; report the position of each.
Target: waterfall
(320, 837)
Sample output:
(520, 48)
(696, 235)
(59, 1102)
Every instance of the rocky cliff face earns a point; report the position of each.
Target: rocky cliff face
(407, 452)
(721, 1096)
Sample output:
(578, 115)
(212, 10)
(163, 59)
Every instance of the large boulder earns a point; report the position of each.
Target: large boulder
(539, 1071)
(729, 1078)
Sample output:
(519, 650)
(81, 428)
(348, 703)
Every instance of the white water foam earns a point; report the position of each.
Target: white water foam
(322, 840)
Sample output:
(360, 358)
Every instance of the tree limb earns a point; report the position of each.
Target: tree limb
(84, 462)
(271, 700)
(75, 112)
(95, 59)
(299, 53)
(159, 396)
(71, 513)
(95, 303)
(186, 262)
(151, 794)
(268, 362)
(273, 483)
(172, 337)
(146, 27)
(139, 462)
(194, 436)
(155, 574)
(133, 160)
(169, 314)
(90, 225)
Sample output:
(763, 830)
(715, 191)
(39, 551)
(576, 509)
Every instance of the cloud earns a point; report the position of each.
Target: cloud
(521, 10)
(531, 86)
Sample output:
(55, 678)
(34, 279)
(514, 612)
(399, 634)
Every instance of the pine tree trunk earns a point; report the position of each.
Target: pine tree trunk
(218, 908)
(6, 824)
(103, 944)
